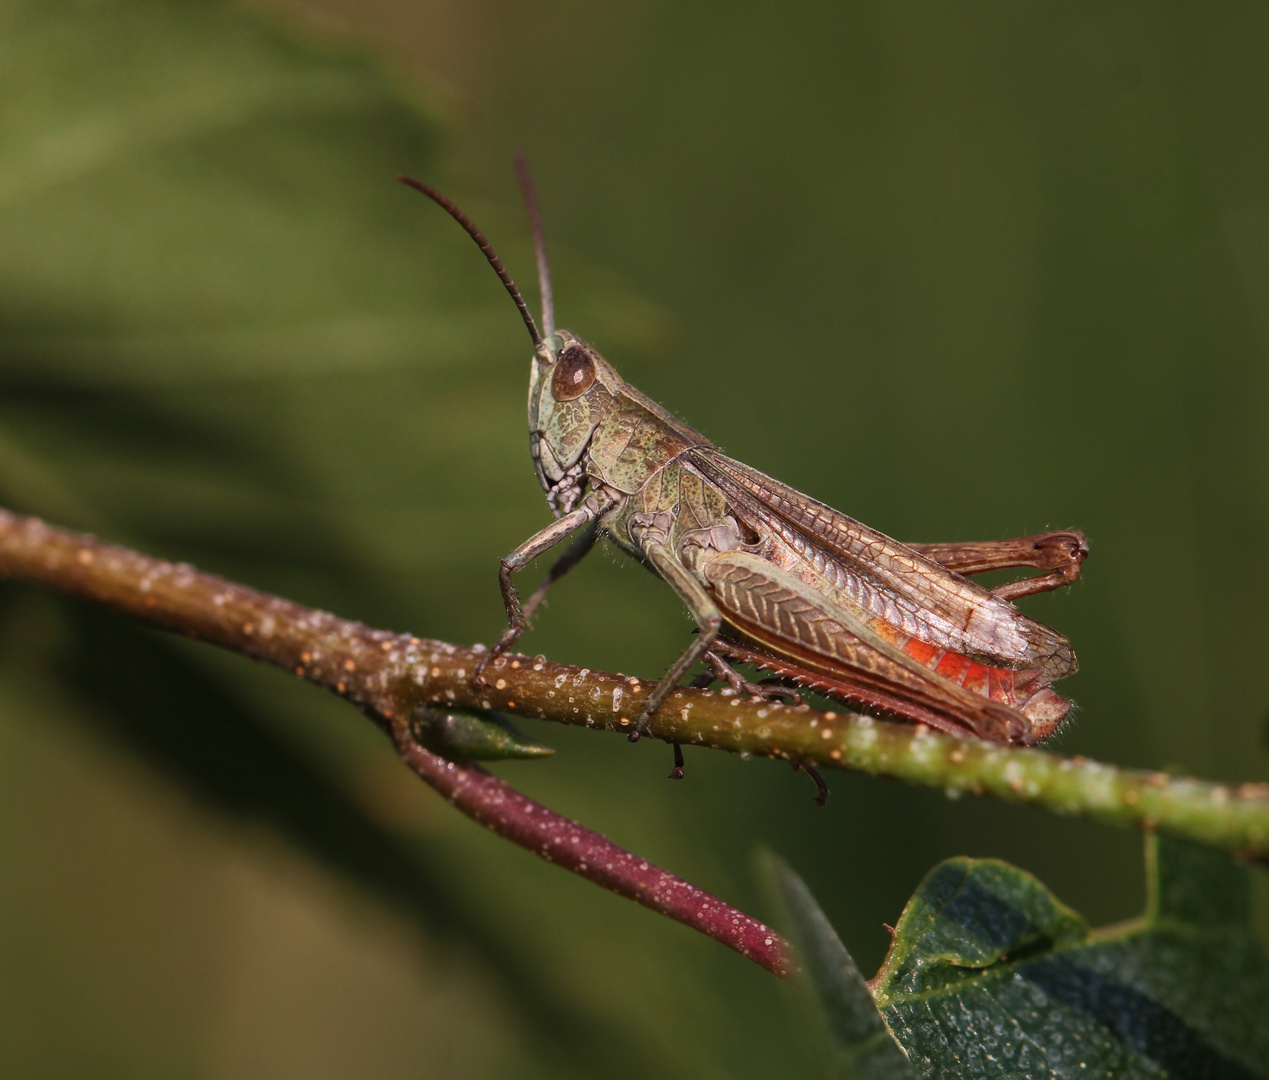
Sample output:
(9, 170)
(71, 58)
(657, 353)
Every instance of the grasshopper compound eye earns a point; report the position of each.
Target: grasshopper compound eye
(574, 372)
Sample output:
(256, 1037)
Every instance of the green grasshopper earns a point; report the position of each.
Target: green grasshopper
(770, 576)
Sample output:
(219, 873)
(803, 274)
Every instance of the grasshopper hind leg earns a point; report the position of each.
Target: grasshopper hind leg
(676, 773)
(1060, 553)
(766, 691)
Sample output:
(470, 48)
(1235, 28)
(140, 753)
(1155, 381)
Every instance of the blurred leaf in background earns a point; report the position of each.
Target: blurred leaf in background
(856, 1041)
(963, 273)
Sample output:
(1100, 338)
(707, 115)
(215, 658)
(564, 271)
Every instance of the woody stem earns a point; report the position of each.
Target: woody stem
(387, 674)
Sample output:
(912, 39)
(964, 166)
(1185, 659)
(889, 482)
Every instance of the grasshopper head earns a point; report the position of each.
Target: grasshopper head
(569, 385)
(570, 389)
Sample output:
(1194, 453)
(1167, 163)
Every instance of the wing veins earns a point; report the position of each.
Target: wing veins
(884, 577)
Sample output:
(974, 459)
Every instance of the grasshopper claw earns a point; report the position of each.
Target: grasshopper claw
(676, 773)
(821, 788)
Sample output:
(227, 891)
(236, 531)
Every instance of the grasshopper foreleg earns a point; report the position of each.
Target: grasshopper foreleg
(573, 554)
(1061, 553)
(517, 620)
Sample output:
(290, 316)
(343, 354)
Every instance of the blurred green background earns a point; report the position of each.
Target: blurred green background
(964, 272)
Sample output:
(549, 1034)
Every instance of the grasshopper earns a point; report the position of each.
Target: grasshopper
(771, 576)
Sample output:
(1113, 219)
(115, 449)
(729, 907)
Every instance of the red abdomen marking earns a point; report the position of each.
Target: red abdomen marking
(953, 667)
(995, 684)
(921, 652)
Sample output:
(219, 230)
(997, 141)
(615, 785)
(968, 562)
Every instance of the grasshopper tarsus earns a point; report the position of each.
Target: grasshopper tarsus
(508, 638)
(821, 788)
(1064, 552)
(517, 624)
(700, 682)
(676, 773)
(772, 688)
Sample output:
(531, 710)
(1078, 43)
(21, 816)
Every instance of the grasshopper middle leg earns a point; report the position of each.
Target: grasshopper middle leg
(701, 607)
(573, 554)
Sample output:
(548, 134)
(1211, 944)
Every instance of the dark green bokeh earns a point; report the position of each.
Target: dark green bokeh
(961, 272)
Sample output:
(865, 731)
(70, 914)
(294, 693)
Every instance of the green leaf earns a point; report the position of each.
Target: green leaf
(991, 976)
(861, 1047)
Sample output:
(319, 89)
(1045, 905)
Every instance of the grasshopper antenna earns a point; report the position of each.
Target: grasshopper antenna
(539, 242)
(485, 246)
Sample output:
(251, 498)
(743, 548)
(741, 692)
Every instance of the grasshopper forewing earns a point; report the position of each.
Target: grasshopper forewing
(771, 576)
